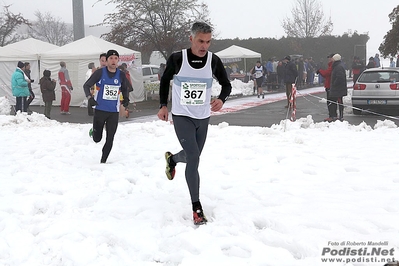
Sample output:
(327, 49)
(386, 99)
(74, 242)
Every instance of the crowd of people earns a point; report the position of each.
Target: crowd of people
(304, 73)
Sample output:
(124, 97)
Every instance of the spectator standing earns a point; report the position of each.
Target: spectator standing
(310, 70)
(66, 88)
(280, 74)
(338, 87)
(357, 68)
(391, 62)
(91, 68)
(377, 60)
(272, 80)
(268, 73)
(19, 86)
(397, 61)
(192, 69)
(319, 66)
(371, 63)
(110, 82)
(326, 74)
(301, 80)
(290, 77)
(32, 95)
(47, 88)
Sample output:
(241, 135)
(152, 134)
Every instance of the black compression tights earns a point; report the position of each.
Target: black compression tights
(192, 135)
(110, 120)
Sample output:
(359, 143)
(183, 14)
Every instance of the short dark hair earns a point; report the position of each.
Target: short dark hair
(103, 54)
(200, 27)
(27, 64)
(47, 73)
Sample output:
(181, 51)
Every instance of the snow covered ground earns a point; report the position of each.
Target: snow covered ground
(275, 195)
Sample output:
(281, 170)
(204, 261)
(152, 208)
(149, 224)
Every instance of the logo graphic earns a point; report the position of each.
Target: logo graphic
(359, 252)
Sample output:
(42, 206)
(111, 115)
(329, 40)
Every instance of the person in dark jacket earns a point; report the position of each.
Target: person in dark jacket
(371, 63)
(47, 87)
(280, 74)
(290, 76)
(32, 95)
(357, 68)
(338, 88)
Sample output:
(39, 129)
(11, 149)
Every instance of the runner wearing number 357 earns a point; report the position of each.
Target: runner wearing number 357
(192, 71)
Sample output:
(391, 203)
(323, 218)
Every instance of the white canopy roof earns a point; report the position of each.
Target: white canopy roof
(86, 48)
(235, 51)
(25, 50)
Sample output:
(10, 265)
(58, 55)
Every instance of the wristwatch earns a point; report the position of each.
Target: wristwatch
(162, 105)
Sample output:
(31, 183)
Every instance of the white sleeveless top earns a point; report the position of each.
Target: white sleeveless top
(258, 71)
(192, 89)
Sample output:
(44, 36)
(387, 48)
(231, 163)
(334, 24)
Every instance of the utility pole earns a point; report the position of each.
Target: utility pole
(78, 20)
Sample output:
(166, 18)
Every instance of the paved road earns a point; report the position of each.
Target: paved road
(241, 111)
(307, 104)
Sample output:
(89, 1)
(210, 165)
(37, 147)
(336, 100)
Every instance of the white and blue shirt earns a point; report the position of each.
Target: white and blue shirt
(192, 89)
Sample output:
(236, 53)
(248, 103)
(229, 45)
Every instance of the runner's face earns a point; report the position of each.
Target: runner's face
(200, 43)
(103, 61)
(112, 62)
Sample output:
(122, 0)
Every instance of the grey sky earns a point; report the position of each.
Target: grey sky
(250, 18)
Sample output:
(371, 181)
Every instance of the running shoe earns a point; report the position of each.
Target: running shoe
(170, 166)
(199, 217)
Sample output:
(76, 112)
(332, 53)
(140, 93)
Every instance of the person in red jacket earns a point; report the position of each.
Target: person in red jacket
(326, 74)
(66, 88)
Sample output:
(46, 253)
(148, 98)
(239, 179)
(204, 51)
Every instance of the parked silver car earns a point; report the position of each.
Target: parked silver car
(376, 89)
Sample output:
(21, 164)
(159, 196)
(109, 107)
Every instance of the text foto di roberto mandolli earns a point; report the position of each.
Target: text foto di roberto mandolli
(355, 251)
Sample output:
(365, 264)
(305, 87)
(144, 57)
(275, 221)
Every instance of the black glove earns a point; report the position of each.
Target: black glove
(92, 102)
(327, 90)
(71, 88)
(125, 103)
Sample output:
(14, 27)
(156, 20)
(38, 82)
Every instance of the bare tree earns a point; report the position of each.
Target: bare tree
(9, 24)
(147, 25)
(50, 29)
(390, 45)
(307, 20)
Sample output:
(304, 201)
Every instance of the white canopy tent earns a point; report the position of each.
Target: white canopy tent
(78, 54)
(234, 52)
(28, 50)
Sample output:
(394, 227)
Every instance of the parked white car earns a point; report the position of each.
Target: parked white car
(376, 89)
(150, 73)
